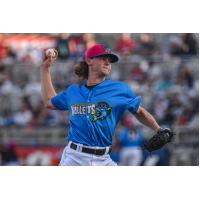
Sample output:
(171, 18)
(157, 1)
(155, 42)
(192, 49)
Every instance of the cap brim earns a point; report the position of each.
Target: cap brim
(114, 58)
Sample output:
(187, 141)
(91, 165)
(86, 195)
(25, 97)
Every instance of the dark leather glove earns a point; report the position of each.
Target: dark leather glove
(162, 137)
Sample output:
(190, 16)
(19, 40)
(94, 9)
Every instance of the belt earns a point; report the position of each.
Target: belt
(84, 149)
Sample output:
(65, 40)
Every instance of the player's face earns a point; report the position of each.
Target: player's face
(101, 65)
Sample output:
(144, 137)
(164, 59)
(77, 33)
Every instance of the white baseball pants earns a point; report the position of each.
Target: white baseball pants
(71, 157)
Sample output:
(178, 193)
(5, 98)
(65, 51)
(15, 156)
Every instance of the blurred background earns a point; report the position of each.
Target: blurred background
(162, 68)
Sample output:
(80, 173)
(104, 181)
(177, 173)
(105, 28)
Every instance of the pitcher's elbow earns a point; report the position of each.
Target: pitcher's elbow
(49, 105)
(46, 105)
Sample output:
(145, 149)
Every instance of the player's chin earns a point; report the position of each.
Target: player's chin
(105, 72)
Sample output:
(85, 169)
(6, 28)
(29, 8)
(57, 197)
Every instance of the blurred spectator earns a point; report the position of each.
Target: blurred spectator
(3, 48)
(173, 110)
(183, 118)
(131, 141)
(6, 85)
(88, 39)
(161, 104)
(185, 76)
(38, 158)
(8, 155)
(50, 118)
(7, 55)
(146, 45)
(77, 47)
(159, 157)
(166, 83)
(36, 119)
(10, 93)
(190, 44)
(184, 45)
(33, 92)
(176, 47)
(125, 44)
(24, 115)
(26, 48)
(137, 73)
(21, 117)
(79, 43)
(62, 46)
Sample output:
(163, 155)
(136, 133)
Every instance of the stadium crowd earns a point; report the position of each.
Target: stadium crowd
(162, 68)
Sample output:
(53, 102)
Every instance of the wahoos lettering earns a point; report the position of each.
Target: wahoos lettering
(82, 109)
(96, 112)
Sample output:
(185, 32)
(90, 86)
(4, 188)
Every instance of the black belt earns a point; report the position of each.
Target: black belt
(98, 152)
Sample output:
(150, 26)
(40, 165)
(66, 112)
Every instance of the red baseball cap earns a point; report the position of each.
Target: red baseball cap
(99, 50)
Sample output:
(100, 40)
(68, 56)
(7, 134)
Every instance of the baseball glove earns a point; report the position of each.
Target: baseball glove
(162, 137)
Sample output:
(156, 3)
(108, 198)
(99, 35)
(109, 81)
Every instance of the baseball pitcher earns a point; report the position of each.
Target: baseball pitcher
(95, 107)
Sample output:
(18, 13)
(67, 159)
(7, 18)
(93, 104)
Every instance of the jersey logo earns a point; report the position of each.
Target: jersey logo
(96, 112)
(102, 110)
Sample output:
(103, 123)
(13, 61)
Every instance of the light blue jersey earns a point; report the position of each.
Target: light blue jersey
(129, 139)
(94, 113)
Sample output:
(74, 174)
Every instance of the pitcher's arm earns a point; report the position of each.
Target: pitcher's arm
(147, 119)
(47, 87)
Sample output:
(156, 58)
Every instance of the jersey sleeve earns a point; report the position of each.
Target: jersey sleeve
(60, 101)
(133, 101)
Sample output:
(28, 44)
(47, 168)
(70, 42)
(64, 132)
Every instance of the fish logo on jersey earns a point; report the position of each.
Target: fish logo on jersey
(97, 112)
(102, 110)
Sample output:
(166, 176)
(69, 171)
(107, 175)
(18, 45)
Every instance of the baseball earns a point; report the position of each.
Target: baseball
(50, 52)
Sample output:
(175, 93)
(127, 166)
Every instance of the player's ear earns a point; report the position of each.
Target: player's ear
(88, 61)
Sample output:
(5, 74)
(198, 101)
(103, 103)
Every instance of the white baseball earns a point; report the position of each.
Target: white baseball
(50, 52)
